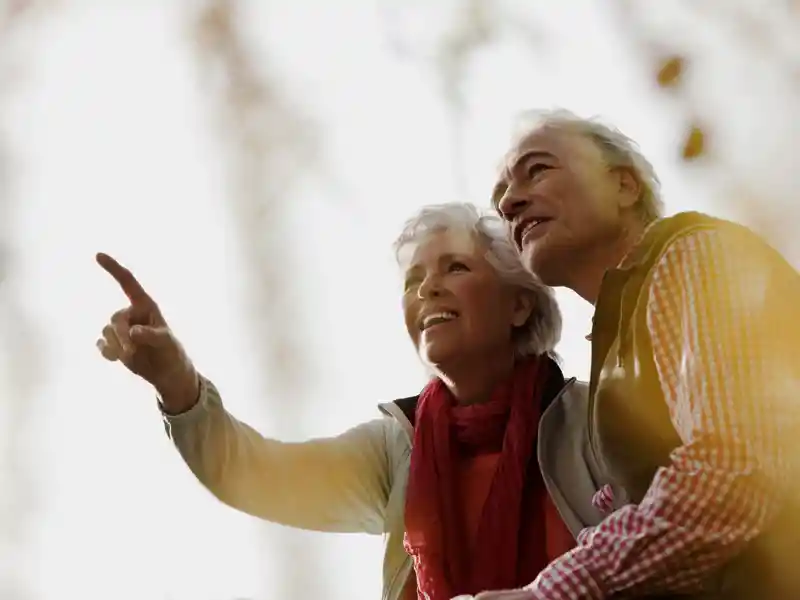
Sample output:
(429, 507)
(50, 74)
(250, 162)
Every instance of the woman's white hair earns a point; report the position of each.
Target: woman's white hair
(618, 150)
(542, 331)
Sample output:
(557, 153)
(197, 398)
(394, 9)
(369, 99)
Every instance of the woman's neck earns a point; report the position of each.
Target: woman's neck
(474, 381)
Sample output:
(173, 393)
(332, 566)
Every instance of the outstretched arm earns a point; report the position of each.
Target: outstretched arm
(338, 484)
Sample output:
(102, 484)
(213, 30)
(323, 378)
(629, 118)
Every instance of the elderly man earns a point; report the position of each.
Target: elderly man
(694, 380)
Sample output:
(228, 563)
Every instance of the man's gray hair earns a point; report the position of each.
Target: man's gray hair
(542, 331)
(618, 150)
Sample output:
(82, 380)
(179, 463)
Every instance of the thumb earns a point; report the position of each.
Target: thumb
(156, 337)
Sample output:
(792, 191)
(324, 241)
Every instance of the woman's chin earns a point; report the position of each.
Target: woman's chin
(439, 352)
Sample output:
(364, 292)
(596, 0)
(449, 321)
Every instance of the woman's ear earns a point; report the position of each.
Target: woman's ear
(523, 307)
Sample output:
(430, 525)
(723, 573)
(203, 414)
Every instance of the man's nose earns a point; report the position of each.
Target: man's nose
(512, 204)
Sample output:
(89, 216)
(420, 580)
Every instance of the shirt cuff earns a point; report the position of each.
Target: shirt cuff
(197, 410)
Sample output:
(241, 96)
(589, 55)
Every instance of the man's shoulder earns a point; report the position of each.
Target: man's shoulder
(686, 230)
(689, 219)
(668, 230)
(684, 223)
(713, 236)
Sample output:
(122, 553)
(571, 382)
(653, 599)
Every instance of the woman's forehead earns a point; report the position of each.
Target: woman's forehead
(430, 248)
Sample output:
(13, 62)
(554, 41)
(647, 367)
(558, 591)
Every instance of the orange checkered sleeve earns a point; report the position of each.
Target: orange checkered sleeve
(717, 372)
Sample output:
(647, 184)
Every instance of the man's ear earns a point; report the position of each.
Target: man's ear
(630, 189)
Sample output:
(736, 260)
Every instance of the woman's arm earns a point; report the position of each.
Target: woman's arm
(336, 484)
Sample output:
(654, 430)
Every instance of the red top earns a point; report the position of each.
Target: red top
(475, 478)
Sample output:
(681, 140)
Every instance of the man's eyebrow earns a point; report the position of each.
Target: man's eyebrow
(538, 154)
(502, 185)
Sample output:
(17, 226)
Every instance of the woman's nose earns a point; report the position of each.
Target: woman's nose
(429, 288)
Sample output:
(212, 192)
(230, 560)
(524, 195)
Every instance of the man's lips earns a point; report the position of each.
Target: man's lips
(526, 226)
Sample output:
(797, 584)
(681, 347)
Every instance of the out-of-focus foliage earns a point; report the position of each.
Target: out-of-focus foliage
(677, 49)
(268, 146)
(20, 352)
(681, 47)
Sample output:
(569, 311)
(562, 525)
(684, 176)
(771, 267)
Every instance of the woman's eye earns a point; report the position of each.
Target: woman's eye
(536, 169)
(458, 266)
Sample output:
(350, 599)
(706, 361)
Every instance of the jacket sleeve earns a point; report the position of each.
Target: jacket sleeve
(336, 484)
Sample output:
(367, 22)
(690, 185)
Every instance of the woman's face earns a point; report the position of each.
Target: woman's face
(456, 306)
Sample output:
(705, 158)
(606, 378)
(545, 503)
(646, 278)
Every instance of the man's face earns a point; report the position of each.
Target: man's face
(560, 200)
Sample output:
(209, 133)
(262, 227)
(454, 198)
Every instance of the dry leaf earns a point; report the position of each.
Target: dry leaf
(694, 145)
(670, 71)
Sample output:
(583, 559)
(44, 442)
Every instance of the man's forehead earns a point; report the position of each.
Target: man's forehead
(540, 141)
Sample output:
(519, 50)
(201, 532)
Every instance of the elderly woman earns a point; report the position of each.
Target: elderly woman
(450, 475)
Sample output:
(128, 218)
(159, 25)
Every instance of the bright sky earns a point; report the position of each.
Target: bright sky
(115, 150)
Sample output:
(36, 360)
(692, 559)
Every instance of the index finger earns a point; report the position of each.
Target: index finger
(129, 284)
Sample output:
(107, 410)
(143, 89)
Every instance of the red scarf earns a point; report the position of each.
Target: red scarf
(510, 550)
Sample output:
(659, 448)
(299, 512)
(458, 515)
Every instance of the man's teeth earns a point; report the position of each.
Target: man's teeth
(533, 224)
(437, 318)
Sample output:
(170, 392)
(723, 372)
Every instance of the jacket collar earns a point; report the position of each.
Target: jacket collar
(402, 410)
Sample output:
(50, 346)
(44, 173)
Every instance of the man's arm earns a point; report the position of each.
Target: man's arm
(711, 341)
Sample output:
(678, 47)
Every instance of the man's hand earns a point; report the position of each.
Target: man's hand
(504, 595)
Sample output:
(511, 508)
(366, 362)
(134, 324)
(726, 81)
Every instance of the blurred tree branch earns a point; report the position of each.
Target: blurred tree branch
(269, 147)
(471, 25)
(19, 343)
(774, 41)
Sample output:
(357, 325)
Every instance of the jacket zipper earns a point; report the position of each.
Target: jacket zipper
(387, 594)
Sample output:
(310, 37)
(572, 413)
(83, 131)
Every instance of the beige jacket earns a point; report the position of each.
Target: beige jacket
(356, 481)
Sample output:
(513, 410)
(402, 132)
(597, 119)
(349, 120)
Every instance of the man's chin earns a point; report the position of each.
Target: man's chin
(544, 264)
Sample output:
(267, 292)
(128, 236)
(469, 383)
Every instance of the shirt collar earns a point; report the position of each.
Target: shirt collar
(627, 260)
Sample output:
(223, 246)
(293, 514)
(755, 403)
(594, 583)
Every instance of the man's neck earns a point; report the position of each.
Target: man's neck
(589, 274)
(474, 381)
